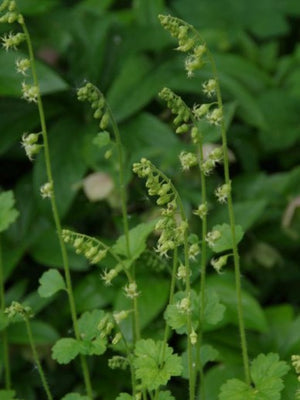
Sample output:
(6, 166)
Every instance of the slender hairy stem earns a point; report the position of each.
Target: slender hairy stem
(4, 332)
(36, 359)
(203, 270)
(191, 364)
(236, 257)
(171, 295)
(121, 178)
(84, 366)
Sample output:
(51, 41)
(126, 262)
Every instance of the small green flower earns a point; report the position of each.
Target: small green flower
(222, 193)
(30, 92)
(12, 41)
(209, 87)
(22, 65)
(215, 117)
(187, 160)
(131, 290)
(46, 190)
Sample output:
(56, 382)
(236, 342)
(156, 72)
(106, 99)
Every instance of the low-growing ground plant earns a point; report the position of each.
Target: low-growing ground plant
(174, 356)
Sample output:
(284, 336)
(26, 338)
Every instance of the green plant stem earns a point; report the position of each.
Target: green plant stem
(4, 332)
(191, 365)
(36, 359)
(236, 257)
(203, 272)
(121, 178)
(84, 366)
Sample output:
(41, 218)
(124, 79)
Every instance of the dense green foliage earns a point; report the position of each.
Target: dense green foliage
(121, 48)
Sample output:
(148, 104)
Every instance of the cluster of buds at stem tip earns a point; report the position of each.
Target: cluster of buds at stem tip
(92, 249)
(178, 107)
(30, 145)
(92, 95)
(11, 14)
(214, 158)
(188, 42)
(17, 309)
(172, 229)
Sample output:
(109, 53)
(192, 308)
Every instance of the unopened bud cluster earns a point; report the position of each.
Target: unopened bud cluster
(17, 309)
(11, 14)
(188, 42)
(171, 228)
(91, 94)
(91, 248)
(178, 107)
(106, 326)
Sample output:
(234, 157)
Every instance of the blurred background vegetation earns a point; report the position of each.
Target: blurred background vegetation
(121, 47)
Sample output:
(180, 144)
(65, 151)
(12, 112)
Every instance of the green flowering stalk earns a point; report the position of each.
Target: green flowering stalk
(187, 119)
(191, 43)
(102, 112)
(173, 233)
(31, 93)
(17, 310)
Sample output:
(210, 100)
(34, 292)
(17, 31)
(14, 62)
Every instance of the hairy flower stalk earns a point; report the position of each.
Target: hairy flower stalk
(173, 233)
(191, 43)
(31, 93)
(18, 310)
(183, 114)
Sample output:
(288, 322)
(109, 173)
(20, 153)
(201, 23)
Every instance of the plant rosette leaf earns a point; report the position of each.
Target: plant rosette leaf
(151, 368)
(8, 213)
(51, 282)
(266, 374)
